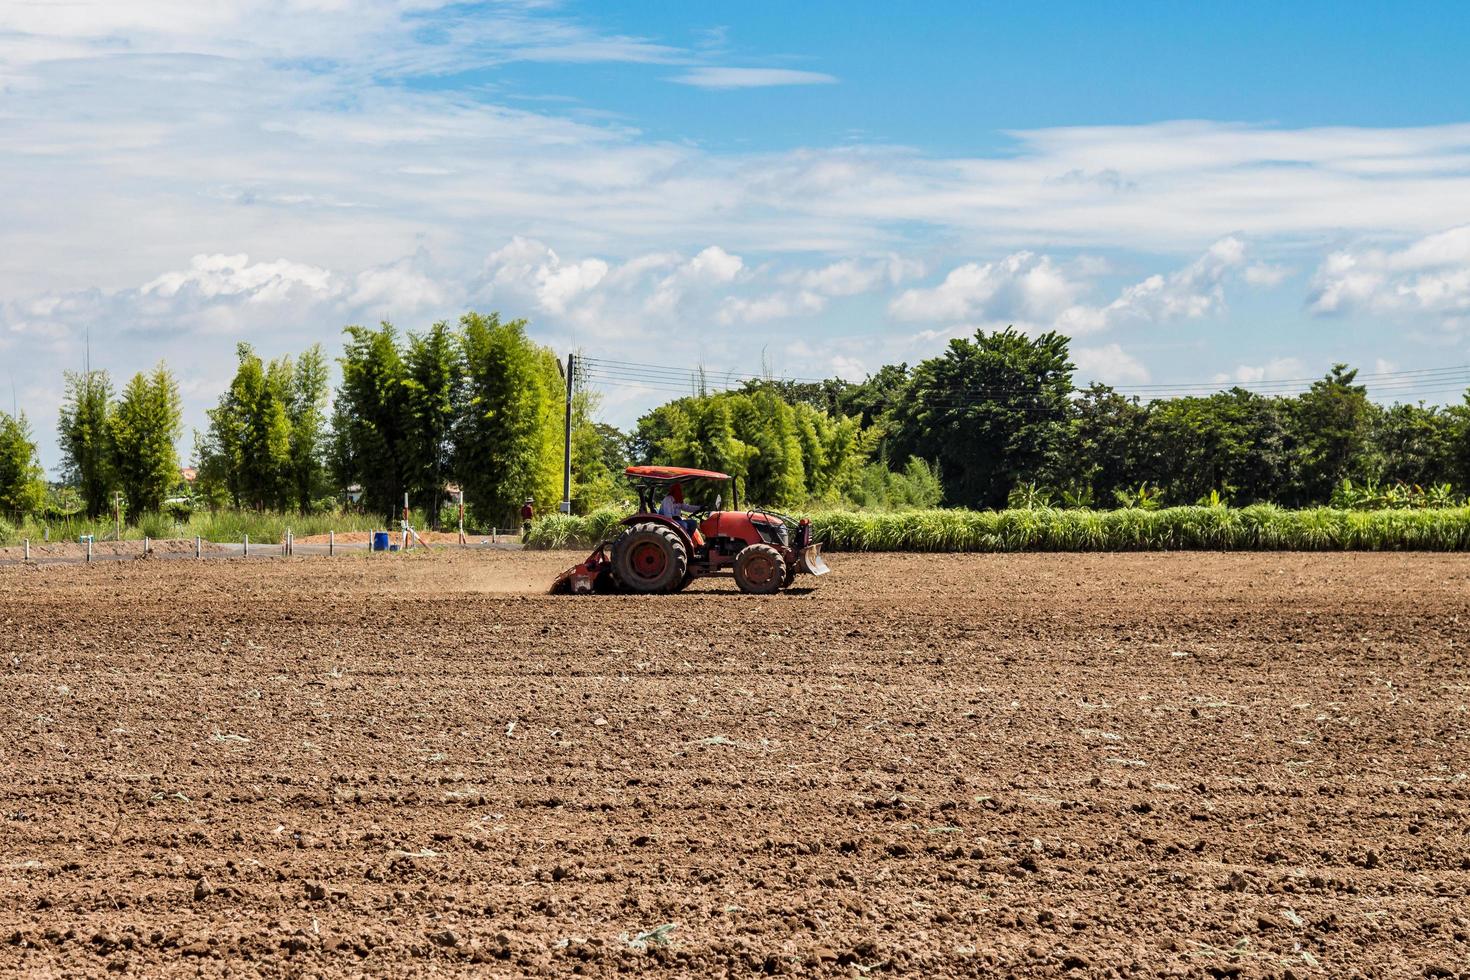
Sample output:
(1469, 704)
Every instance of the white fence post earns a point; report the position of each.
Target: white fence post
(246, 552)
(145, 546)
(198, 548)
(89, 547)
(28, 549)
(331, 543)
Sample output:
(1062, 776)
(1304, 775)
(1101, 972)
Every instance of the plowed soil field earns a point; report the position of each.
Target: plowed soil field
(1137, 765)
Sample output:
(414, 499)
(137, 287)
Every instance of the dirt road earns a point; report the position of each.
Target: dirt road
(1032, 765)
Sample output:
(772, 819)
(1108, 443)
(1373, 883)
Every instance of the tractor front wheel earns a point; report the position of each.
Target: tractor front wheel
(760, 570)
(649, 558)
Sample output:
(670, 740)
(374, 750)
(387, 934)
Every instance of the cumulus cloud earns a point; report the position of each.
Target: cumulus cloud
(776, 306)
(209, 276)
(397, 289)
(1021, 286)
(1036, 291)
(1278, 369)
(808, 291)
(849, 277)
(724, 78)
(1266, 275)
(529, 267)
(1195, 291)
(1110, 364)
(711, 267)
(1429, 276)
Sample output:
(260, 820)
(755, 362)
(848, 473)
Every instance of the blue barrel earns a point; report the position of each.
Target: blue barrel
(380, 540)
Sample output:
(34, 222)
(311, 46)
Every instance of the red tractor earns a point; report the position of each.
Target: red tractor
(656, 552)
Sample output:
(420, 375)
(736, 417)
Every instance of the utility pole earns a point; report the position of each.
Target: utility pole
(566, 471)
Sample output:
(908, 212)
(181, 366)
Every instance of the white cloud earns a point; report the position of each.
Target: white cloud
(849, 277)
(1430, 276)
(714, 264)
(711, 267)
(727, 78)
(1035, 291)
(397, 289)
(1021, 286)
(1278, 369)
(1110, 364)
(529, 268)
(806, 360)
(776, 306)
(812, 288)
(234, 275)
(1266, 275)
(1195, 291)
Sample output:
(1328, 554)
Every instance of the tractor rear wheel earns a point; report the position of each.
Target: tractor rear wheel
(649, 558)
(760, 569)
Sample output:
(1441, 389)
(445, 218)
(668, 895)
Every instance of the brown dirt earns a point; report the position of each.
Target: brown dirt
(1036, 765)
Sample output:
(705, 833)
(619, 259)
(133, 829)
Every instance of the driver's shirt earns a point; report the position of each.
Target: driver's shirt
(671, 508)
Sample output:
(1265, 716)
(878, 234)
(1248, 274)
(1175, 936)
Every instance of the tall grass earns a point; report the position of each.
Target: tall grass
(1261, 527)
(264, 527)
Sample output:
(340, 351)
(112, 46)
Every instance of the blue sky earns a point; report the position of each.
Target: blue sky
(1197, 193)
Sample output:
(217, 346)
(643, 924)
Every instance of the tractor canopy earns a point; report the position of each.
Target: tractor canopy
(672, 474)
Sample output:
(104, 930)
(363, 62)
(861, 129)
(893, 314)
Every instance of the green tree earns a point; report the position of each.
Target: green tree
(508, 438)
(432, 374)
(1413, 444)
(145, 425)
(306, 411)
(373, 427)
(1330, 428)
(872, 400)
(1459, 444)
(84, 435)
(991, 411)
(1233, 442)
(248, 447)
(781, 454)
(599, 456)
(1103, 444)
(22, 481)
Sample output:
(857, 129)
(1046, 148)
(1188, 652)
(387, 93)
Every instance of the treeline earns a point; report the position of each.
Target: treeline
(996, 419)
(475, 403)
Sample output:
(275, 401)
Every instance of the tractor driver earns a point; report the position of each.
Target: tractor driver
(673, 507)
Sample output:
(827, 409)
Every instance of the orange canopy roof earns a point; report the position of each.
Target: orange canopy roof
(673, 474)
